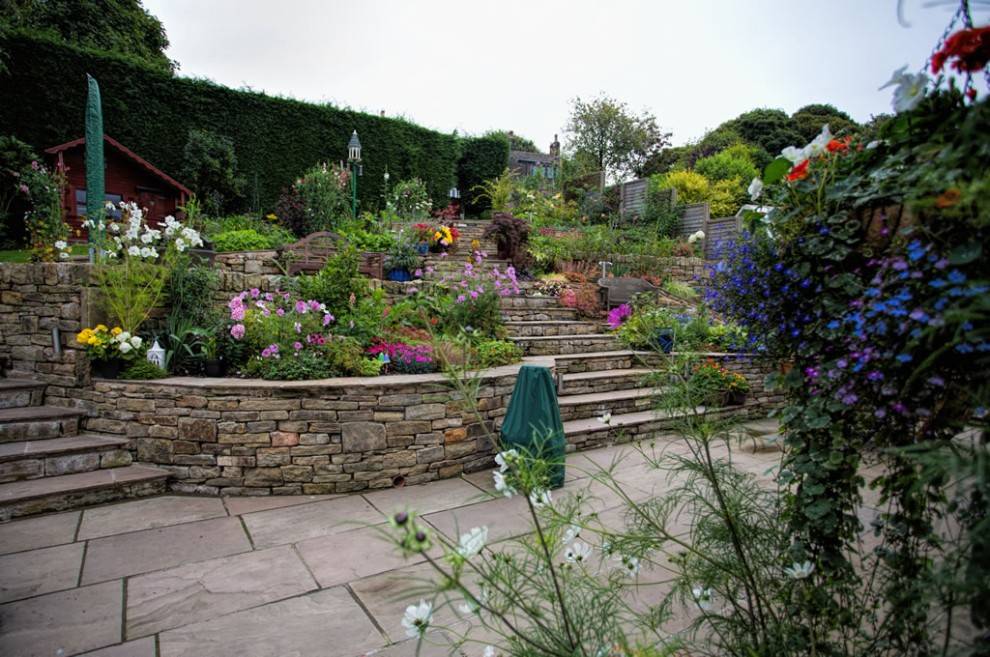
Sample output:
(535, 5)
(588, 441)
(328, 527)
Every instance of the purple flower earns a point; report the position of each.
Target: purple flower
(280, 312)
(297, 345)
(237, 314)
(418, 273)
(300, 307)
(255, 293)
(327, 319)
(849, 398)
(461, 298)
(618, 315)
(314, 305)
(237, 331)
(474, 294)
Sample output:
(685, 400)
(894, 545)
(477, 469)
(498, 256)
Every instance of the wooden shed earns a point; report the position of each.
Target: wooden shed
(129, 177)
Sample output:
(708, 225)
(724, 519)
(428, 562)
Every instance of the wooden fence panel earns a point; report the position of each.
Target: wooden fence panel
(694, 217)
(720, 230)
(632, 199)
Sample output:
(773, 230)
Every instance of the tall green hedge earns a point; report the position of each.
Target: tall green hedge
(482, 158)
(276, 139)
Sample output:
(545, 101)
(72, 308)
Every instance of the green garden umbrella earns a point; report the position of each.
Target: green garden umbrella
(95, 182)
(533, 421)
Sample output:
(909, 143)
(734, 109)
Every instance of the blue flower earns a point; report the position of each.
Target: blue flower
(904, 358)
(956, 277)
(834, 324)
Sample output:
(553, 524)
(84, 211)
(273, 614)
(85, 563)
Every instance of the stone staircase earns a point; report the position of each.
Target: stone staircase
(47, 465)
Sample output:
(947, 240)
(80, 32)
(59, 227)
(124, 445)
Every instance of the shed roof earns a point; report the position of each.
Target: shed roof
(137, 159)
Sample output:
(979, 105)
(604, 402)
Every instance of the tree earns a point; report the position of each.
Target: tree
(770, 129)
(210, 168)
(607, 134)
(810, 119)
(119, 26)
(518, 142)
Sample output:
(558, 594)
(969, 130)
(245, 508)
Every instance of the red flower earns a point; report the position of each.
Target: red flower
(838, 145)
(970, 48)
(799, 172)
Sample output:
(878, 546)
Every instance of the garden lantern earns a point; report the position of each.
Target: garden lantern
(354, 165)
(455, 198)
(156, 355)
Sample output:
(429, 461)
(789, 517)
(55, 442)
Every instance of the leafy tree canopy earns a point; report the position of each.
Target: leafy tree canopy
(770, 129)
(810, 119)
(518, 142)
(119, 26)
(607, 134)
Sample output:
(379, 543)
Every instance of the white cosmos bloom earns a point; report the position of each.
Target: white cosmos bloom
(755, 189)
(472, 542)
(540, 498)
(501, 485)
(794, 155)
(577, 552)
(136, 342)
(800, 570)
(417, 618)
(489, 651)
(571, 533)
(703, 596)
(909, 91)
(134, 251)
(629, 565)
(125, 347)
(505, 459)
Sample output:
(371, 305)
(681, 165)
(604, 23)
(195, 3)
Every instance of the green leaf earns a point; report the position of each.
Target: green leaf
(965, 253)
(776, 170)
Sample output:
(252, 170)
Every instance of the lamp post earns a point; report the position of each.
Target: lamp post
(354, 166)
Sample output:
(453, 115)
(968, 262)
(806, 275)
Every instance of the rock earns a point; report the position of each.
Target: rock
(362, 436)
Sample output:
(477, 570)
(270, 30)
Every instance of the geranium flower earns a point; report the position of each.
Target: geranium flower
(969, 47)
(799, 171)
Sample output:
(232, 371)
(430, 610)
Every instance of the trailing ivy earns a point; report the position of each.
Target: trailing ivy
(275, 139)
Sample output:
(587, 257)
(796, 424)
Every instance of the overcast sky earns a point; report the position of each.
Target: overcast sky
(473, 66)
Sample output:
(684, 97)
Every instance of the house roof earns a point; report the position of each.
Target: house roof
(137, 159)
(516, 157)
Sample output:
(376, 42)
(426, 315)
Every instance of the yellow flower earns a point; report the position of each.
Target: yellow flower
(93, 341)
(116, 330)
(102, 327)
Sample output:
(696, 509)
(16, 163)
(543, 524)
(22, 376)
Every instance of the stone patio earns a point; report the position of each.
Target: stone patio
(176, 576)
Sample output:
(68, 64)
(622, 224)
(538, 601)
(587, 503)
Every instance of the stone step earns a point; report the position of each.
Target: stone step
(581, 383)
(548, 314)
(616, 402)
(593, 432)
(32, 459)
(607, 360)
(529, 301)
(38, 423)
(523, 329)
(71, 491)
(18, 393)
(551, 345)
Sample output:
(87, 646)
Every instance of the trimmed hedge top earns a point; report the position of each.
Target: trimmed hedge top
(276, 139)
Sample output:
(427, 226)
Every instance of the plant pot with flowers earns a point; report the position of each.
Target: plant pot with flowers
(109, 350)
(719, 386)
(422, 236)
(403, 258)
(444, 239)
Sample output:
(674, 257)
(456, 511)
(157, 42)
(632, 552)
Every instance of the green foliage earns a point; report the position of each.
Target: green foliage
(692, 187)
(482, 158)
(337, 283)
(680, 290)
(15, 156)
(242, 240)
(117, 26)
(141, 369)
(511, 235)
(276, 139)
(41, 191)
(495, 193)
(659, 213)
(341, 357)
(319, 200)
(592, 243)
(494, 353)
(410, 200)
(516, 142)
(268, 227)
(210, 169)
(809, 120)
(403, 255)
(188, 287)
(770, 129)
(735, 162)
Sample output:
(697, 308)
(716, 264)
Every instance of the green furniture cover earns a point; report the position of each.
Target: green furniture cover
(533, 420)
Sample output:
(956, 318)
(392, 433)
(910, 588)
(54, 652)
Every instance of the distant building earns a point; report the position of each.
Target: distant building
(547, 165)
(129, 177)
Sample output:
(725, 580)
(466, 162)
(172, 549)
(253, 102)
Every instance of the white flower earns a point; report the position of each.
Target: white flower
(910, 89)
(540, 498)
(489, 651)
(147, 237)
(125, 347)
(703, 596)
(61, 245)
(64, 255)
(505, 459)
(134, 251)
(114, 228)
(149, 252)
(695, 236)
(472, 605)
(417, 618)
(630, 565)
(794, 154)
(571, 533)
(577, 552)
(818, 144)
(180, 245)
(800, 570)
(473, 542)
(606, 417)
(136, 342)
(501, 485)
(123, 336)
(755, 189)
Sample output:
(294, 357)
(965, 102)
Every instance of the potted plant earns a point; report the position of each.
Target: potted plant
(108, 349)
(444, 238)
(423, 234)
(402, 258)
(209, 348)
(719, 386)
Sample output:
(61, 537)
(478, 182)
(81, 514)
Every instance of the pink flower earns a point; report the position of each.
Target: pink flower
(314, 305)
(418, 273)
(255, 293)
(461, 298)
(237, 314)
(474, 294)
(301, 307)
(327, 319)
(237, 331)
(297, 345)
(280, 312)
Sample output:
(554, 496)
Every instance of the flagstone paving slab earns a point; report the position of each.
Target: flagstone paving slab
(148, 514)
(154, 549)
(42, 531)
(324, 624)
(436, 496)
(240, 505)
(200, 591)
(72, 621)
(140, 648)
(504, 517)
(343, 558)
(45, 570)
(297, 523)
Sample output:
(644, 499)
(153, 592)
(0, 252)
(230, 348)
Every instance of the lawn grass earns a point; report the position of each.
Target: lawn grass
(24, 255)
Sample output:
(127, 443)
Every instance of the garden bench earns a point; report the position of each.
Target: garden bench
(309, 255)
(619, 290)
